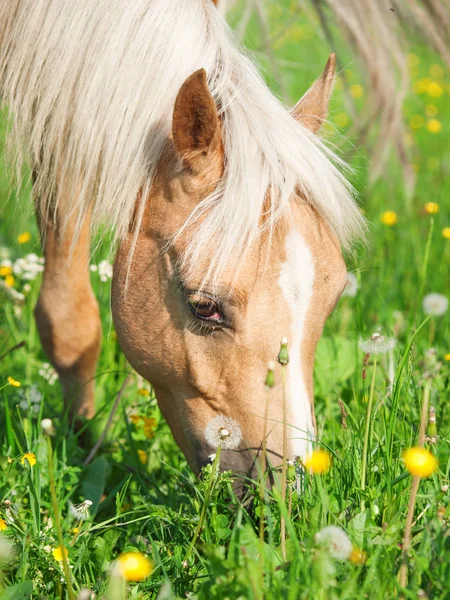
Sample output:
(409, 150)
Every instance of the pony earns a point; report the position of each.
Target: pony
(229, 213)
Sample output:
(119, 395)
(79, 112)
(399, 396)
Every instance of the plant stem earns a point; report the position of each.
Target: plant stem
(403, 573)
(284, 467)
(263, 467)
(57, 519)
(367, 431)
(209, 490)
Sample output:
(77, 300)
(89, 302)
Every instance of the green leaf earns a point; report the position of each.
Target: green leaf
(19, 591)
(94, 480)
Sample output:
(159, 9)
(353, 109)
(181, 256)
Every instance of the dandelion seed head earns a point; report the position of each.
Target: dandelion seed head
(435, 305)
(80, 511)
(378, 344)
(351, 288)
(224, 432)
(336, 541)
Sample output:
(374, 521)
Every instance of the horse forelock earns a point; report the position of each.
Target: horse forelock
(91, 88)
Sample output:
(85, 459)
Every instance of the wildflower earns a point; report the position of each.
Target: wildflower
(319, 461)
(431, 110)
(3, 525)
(13, 382)
(134, 566)
(389, 218)
(342, 119)
(447, 357)
(351, 287)
(357, 556)
(431, 208)
(356, 90)
(223, 432)
(435, 305)
(29, 267)
(24, 237)
(283, 354)
(5, 270)
(47, 427)
(58, 553)
(30, 457)
(420, 462)
(143, 392)
(80, 511)
(336, 541)
(212, 457)
(435, 89)
(446, 233)
(135, 418)
(75, 530)
(416, 122)
(9, 280)
(6, 549)
(149, 427)
(378, 344)
(270, 375)
(105, 270)
(143, 456)
(434, 126)
(48, 373)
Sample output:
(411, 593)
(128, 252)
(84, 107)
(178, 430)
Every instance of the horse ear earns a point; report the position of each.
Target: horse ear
(312, 109)
(195, 124)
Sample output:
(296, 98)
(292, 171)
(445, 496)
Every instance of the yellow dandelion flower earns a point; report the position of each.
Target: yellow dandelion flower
(149, 427)
(389, 218)
(24, 237)
(143, 456)
(9, 280)
(421, 85)
(446, 233)
(356, 91)
(3, 525)
(143, 392)
(357, 556)
(431, 110)
(30, 458)
(75, 530)
(447, 356)
(413, 60)
(318, 462)
(416, 122)
(13, 382)
(135, 419)
(342, 119)
(420, 462)
(5, 271)
(134, 566)
(436, 71)
(58, 553)
(431, 208)
(434, 126)
(435, 89)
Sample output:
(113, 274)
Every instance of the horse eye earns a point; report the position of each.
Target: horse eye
(205, 309)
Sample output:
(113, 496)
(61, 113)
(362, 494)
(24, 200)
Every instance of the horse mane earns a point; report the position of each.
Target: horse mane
(90, 88)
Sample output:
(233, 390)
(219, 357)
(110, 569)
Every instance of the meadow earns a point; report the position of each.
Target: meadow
(143, 498)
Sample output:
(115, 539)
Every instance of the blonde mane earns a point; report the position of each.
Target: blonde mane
(90, 86)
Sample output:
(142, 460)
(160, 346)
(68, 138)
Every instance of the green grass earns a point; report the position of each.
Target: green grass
(154, 508)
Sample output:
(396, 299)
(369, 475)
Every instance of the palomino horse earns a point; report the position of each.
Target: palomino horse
(228, 211)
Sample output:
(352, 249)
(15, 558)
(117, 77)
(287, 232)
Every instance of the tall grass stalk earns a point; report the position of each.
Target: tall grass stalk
(57, 519)
(283, 359)
(367, 431)
(403, 572)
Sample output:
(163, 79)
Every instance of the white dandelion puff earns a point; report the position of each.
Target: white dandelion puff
(48, 427)
(212, 457)
(435, 305)
(80, 511)
(378, 344)
(351, 287)
(223, 432)
(336, 541)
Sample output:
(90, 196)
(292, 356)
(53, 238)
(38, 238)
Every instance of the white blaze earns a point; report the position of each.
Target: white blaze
(296, 281)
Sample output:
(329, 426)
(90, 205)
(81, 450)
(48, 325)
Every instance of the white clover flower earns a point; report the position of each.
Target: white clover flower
(29, 267)
(224, 432)
(351, 288)
(80, 511)
(378, 344)
(105, 270)
(34, 394)
(93, 268)
(336, 541)
(48, 373)
(435, 305)
(6, 262)
(48, 427)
